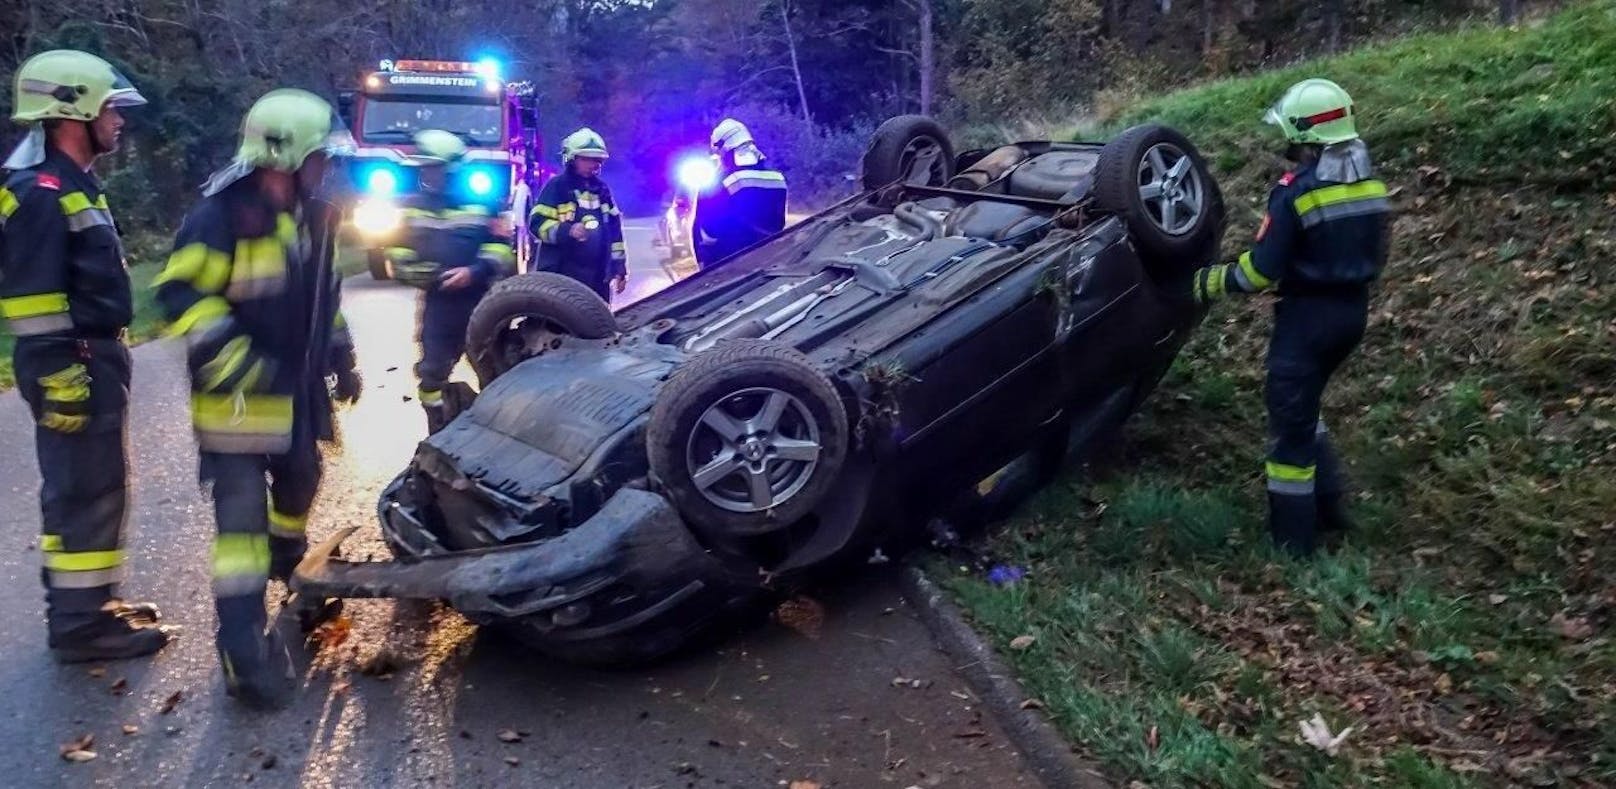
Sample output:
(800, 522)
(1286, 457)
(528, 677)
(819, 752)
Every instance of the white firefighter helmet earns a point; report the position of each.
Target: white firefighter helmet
(729, 135)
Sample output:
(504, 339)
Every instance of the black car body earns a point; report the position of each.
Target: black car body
(623, 482)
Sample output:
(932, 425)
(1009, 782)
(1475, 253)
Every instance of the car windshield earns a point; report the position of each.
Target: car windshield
(398, 121)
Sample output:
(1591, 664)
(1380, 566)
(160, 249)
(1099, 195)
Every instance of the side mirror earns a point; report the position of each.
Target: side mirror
(345, 106)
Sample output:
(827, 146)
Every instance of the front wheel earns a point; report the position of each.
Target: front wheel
(1155, 179)
(528, 314)
(912, 149)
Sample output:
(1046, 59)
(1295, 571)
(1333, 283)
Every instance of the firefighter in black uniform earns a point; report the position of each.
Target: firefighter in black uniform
(64, 291)
(449, 249)
(1322, 242)
(577, 223)
(746, 206)
(250, 288)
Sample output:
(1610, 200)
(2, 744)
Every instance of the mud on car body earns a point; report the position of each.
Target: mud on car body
(623, 483)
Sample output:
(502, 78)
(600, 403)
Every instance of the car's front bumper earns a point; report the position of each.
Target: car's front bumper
(630, 567)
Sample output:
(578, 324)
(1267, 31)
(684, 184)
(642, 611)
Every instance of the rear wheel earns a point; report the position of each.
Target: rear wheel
(913, 149)
(1156, 180)
(528, 314)
(746, 439)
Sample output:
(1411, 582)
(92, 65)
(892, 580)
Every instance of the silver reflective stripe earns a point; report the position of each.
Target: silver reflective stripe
(1291, 487)
(277, 530)
(448, 223)
(754, 179)
(244, 443)
(41, 324)
(1319, 429)
(240, 585)
(88, 218)
(1239, 278)
(84, 579)
(1327, 213)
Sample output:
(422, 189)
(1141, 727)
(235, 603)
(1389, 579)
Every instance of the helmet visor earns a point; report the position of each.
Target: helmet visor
(123, 93)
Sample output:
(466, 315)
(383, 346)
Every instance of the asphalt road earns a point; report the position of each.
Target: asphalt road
(819, 700)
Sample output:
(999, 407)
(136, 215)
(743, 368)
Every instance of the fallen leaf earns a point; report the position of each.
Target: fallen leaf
(119, 687)
(1571, 628)
(1317, 733)
(1444, 684)
(331, 633)
(1022, 642)
(512, 761)
(131, 729)
(98, 672)
(1153, 739)
(1497, 599)
(83, 743)
(805, 785)
(171, 702)
(1032, 704)
(802, 614)
(78, 756)
(508, 735)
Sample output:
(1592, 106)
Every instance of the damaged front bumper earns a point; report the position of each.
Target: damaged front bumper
(633, 565)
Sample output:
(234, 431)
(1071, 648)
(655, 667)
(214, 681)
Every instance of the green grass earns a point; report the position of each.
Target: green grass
(1479, 422)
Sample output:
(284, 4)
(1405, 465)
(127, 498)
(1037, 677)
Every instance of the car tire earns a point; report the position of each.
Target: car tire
(376, 261)
(895, 145)
(565, 307)
(743, 381)
(1171, 244)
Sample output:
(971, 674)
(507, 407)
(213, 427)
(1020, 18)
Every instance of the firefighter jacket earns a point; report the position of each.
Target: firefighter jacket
(439, 236)
(747, 207)
(1318, 237)
(251, 289)
(61, 263)
(568, 200)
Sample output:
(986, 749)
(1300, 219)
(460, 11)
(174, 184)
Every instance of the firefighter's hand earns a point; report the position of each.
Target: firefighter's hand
(455, 279)
(619, 284)
(349, 386)
(578, 231)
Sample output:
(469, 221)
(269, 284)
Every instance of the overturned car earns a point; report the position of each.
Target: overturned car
(624, 482)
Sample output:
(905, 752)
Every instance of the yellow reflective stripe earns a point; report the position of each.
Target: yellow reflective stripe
(226, 363)
(547, 229)
(33, 306)
(500, 251)
(199, 316)
(566, 208)
(430, 397)
(540, 209)
(287, 525)
(286, 229)
(206, 268)
(242, 413)
(8, 203)
(50, 542)
(259, 258)
(1343, 193)
(402, 254)
(82, 561)
(77, 203)
(1255, 277)
(1286, 473)
(237, 555)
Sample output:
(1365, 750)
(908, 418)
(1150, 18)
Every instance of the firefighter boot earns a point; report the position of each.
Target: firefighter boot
(436, 417)
(1292, 522)
(141, 613)
(107, 636)
(258, 668)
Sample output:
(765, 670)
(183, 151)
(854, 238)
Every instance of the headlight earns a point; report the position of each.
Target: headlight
(481, 183)
(697, 174)
(381, 182)
(377, 217)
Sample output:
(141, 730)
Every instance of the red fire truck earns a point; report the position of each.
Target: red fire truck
(497, 119)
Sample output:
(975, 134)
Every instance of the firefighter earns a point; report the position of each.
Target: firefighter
(64, 291)
(746, 206)
(578, 224)
(250, 288)
(449, 249)
(1322, 242)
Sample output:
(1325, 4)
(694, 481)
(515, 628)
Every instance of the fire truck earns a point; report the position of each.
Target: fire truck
(497, 119)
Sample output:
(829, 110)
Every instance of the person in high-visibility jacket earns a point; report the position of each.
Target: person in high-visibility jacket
(747, 205)
(450, 250)
(577, 223)
(250, 287)
(64, 291)
(1323, 240)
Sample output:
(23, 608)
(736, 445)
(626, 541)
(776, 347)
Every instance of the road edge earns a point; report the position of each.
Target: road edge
(1043, 748)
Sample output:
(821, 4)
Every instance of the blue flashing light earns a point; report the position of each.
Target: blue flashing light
(480, 183)
(381, 182)
(488, 68)
(698, 174)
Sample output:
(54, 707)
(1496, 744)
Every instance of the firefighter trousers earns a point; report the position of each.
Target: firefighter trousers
(441, 331)
(83, 490)
(1312, 336)
(261, 506)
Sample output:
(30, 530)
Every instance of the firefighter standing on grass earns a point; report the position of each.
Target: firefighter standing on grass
(250, 288)
(64, 291)
(746, 206)
(1322, 242)
(578, 224)
(449, 250)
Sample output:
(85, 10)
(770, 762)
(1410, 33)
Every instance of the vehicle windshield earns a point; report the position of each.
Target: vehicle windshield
(398, 121)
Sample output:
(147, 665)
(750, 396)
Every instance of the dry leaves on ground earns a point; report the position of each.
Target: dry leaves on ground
(1023, 642)
(79, 750)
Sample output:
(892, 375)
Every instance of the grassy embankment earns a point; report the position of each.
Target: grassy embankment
(1465, 631)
